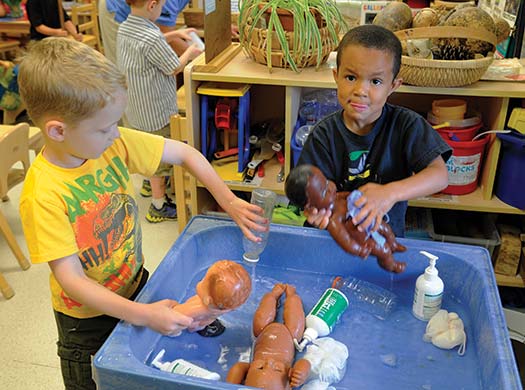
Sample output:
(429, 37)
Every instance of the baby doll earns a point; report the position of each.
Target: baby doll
(307, 187)
(226, 286)
(273, 352)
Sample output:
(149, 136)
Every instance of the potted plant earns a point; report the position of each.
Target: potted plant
(308, 41)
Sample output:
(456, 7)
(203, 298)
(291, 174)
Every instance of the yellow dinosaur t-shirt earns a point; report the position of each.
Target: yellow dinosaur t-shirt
(91, 211)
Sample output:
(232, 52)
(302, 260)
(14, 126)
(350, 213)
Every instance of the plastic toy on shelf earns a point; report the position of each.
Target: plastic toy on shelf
(225, 107)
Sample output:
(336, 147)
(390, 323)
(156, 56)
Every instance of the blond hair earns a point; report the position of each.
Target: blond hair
(66, 80)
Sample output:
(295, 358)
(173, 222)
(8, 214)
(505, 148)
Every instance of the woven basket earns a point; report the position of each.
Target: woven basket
(255, 44)
(443, 73)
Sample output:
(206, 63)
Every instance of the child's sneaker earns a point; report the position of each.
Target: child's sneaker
(168, 212)
(145, 191)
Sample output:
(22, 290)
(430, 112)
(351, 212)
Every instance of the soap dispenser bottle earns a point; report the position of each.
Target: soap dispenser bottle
(429, 291)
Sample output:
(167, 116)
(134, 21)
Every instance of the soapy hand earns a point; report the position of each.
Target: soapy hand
(375, 203)
(162, 318)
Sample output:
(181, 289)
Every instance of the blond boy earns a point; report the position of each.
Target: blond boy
(77, 206)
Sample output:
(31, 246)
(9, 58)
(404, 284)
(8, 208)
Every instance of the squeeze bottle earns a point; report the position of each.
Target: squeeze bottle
(181, 366)
(428, 293)
(323, 316)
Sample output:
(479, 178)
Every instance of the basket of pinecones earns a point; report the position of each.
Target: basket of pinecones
(452, 59)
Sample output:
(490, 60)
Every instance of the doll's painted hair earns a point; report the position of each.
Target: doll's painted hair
(296, 182)
(66, 80)
(230, 284)
(373, 37)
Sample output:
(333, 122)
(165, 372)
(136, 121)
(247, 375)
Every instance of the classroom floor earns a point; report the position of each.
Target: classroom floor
(27, 327)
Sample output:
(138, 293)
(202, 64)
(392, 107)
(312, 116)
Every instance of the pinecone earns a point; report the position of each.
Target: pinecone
(451, 52)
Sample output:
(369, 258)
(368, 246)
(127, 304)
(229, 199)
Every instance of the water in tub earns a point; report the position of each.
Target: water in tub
(392, 347)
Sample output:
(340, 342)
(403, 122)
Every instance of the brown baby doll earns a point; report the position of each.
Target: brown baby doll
(226, 286)
(307, 187)
(272, 366)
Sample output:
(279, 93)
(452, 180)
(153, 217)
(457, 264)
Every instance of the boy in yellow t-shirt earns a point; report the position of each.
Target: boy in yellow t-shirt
(78, 204)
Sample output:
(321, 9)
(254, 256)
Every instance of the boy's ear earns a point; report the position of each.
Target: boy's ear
(396, 84)
(55, 130)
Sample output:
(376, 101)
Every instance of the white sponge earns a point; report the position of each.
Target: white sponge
(328, 359)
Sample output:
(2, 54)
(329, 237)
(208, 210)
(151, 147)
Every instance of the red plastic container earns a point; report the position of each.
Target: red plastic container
(459, 134)
(464, 165)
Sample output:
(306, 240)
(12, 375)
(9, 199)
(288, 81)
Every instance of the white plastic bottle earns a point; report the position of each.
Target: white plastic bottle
(323, 316)
(428, 293)
(181, 366)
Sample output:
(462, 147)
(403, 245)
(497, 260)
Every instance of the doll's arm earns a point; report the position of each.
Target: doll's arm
(299, 372)
(293, 313)
(267, 309)
(237, 373)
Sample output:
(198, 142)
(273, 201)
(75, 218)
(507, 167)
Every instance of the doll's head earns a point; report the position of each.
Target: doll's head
(307, 187)
(226, 285)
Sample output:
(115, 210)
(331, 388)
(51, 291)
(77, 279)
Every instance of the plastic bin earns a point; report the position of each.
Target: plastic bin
(309, 258)
(511, 171)
(469, 228)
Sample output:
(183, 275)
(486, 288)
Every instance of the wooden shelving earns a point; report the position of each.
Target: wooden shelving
(488, 97)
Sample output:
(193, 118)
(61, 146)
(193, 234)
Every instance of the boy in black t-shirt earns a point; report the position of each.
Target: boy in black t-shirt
(390, 153)
(45, 20)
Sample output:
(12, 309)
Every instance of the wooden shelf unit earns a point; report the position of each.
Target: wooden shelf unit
(491, 98)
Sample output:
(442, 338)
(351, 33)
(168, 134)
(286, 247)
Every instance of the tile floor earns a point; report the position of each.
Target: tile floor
(28, 357)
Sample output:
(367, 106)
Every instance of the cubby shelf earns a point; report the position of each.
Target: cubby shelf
(283, 88)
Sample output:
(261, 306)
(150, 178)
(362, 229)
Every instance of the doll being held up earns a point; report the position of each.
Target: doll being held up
(225, 287)
(307, 187)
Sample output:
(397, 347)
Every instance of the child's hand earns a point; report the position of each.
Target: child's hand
(193, 51)
(78, 37)
(61, 32)
(183, 33)
(162, 318)
(376, 201)
(318, 218)
(247, 216)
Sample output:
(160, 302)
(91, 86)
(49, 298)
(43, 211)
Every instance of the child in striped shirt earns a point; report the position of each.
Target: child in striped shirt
(150, 65)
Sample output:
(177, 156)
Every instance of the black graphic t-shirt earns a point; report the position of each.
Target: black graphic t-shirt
(401, 143)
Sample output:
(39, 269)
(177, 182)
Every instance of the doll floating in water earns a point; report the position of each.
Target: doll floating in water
(272, 366)
(307, 187)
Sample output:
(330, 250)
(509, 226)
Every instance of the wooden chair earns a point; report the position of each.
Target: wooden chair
(85, 17)
(14, 147)
(185, 183)
(9, 46)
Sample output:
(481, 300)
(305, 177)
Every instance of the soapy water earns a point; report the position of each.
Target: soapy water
(389, 359)
(353, 327)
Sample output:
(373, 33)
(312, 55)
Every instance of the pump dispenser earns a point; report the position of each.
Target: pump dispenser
(429, 291)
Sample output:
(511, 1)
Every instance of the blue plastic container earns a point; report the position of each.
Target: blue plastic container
(309, 258)
(511, 171)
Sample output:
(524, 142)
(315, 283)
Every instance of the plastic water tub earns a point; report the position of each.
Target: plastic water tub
(308, 258)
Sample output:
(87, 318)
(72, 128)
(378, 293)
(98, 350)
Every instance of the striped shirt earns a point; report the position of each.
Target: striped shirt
(148, 61)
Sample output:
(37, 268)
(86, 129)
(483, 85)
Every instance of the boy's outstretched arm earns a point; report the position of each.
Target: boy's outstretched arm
(158, 316)
(246, 215)
(378, 199)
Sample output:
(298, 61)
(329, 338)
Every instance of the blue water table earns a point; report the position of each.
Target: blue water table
(219, 111)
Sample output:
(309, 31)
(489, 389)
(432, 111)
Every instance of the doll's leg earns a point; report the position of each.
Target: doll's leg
(387, 261)
(293, 313)
(267, 309)
(386, 231)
